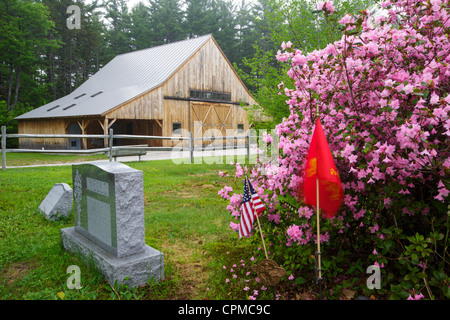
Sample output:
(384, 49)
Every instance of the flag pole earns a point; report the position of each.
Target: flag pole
(262, 238)
(318, 253)
(259, 225)
(319, 269)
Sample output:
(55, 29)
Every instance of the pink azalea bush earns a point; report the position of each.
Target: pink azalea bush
(382, 94)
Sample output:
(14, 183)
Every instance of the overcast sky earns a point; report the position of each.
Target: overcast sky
(132, 3)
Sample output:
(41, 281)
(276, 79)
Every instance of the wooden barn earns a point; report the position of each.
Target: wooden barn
(169, 90)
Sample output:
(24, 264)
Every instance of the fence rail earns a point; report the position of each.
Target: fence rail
(109, 150)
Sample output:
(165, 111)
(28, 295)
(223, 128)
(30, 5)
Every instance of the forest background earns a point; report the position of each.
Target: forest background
(43, 60)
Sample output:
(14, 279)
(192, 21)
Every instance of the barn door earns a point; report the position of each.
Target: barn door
(74, 143)
(210, 120)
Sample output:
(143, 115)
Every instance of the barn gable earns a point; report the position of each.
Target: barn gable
(186, 85)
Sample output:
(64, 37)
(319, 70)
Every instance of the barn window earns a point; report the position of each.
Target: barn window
(210, 95)
(176, 128)
(240, 127)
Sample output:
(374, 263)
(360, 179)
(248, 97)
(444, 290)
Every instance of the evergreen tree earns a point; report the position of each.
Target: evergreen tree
(245, 37)
(224, 28)
(25, 26)
(118, 33)
(141, 29)
(199, 18)
(167, 21)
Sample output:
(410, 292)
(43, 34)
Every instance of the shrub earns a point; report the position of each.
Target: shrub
(382, 94)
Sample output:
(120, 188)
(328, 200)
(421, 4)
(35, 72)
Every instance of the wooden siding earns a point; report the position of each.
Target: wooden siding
(207, 69)
(44, 126)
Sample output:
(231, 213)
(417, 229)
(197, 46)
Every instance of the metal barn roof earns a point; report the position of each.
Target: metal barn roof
(123, 78)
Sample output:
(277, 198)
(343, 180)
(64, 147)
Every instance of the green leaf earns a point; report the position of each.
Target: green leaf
(388, 243)
(300, 280)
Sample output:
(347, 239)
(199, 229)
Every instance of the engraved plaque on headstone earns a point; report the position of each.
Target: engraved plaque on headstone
(109, 206)
(109, 226)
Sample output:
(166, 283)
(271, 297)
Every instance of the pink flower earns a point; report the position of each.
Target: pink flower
(291, 277)
(299, 60)
(286, 45)
(422, 265)
(434, 98)
(346, 19)
(374, 229)
(222, 174)
(416, 297)
(327, 6)
(267, 138)
(443, 193)
(408, 89)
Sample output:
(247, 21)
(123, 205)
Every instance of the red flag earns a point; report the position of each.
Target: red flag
(320, 165)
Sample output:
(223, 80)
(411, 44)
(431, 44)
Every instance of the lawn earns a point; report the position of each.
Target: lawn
(16, 159)
(184, 218)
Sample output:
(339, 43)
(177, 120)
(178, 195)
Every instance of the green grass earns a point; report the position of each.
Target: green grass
(14, 159)
(184, 218)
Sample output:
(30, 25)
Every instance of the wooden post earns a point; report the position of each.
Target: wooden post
(105, 127)
(191, 149)
(248, 146)
(3, 148)
(110, 144)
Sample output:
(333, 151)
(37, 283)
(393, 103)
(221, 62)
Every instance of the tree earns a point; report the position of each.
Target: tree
(167, 21)
(245, 37)
(118, 33)
(199, 18)
(276, 21)
(224, 30)
(141, 30)
(25, 26)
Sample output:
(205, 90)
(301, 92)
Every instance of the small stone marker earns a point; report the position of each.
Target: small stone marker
(109, 223)
(58, 202)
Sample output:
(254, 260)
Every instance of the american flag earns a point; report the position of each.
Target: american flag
(251, 205)
(258, 206)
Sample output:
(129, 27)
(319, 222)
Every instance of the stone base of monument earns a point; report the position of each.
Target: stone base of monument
(133, 270)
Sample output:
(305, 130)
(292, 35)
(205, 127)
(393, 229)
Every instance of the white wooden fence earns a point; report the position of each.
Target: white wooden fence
(111, 136)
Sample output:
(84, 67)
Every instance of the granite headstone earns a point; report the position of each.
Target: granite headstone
(109, 223)
(58, 202)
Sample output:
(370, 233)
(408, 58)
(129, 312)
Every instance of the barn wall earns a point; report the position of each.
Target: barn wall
(46, 126)
(208, 70)
(145, 107)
